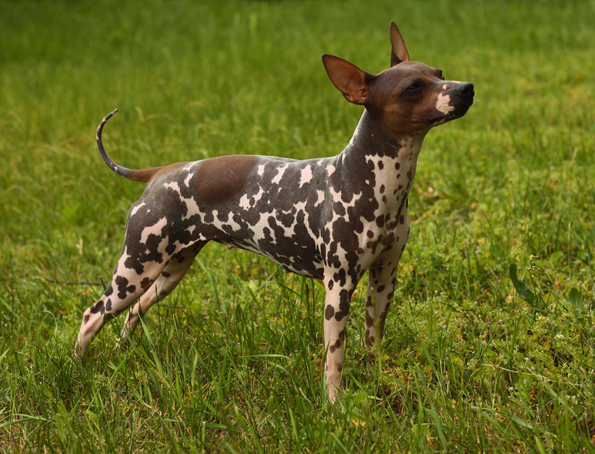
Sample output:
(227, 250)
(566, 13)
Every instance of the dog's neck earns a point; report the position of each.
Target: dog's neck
(369, 138)
(384, 162)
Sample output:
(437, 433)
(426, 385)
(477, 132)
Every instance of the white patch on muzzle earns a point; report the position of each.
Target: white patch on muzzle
(442, 104)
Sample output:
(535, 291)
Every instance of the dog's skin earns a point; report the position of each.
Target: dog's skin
(330, 219)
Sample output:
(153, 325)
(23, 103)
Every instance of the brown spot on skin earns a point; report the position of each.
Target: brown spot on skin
(222, 178)
(341, 314)
(146, 283)
(388, 238)
(165, 274)
(397, 165)
(99, 306)
(382, 320)
(123, 287)
(370, 234)
(86, 319)
(338, 343)
(369, 320)
(381, 288)
(402, 219)
(329, 312)
(341, 277)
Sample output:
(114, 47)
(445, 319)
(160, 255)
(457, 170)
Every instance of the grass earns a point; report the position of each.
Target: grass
(490, 343)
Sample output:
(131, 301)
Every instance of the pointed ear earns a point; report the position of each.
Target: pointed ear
(399, 52)
(348, 78)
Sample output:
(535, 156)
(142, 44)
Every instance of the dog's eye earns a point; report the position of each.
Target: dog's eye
(413, 87)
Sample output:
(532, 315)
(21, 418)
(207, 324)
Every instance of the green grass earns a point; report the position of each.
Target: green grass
(478, 355)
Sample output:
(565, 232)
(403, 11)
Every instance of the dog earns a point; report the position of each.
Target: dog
(329, 219)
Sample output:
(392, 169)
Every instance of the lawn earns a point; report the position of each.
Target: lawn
(490, 342)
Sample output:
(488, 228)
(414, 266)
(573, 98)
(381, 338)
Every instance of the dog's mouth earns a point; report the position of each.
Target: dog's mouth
(442, 119)
(458, 112)
(446, 117)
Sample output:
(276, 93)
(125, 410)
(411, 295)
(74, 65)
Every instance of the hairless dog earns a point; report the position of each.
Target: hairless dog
(330, 218)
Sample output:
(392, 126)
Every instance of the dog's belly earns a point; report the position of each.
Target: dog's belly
(300, 260)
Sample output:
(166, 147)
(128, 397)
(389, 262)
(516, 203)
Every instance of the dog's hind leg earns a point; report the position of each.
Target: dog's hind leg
(145, 254)
(126, 286)
(167, 281)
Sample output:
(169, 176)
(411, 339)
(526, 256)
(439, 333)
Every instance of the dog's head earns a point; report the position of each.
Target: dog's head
(407, 99)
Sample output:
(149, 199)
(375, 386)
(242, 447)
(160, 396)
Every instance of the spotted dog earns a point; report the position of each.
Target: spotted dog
(330, 218)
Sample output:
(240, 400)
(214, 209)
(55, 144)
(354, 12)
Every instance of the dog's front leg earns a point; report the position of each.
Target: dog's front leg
(336, 313)
(381, 286)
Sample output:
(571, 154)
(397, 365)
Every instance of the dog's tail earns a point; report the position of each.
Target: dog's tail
(136, 175)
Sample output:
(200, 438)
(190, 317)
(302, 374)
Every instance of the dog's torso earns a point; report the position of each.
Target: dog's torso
(334, 213)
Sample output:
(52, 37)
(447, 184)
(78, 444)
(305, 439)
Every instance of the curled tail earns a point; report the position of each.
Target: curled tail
(135, 175)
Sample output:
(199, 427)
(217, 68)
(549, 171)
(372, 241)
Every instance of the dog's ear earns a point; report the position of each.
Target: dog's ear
(348, 78)
(399, 51)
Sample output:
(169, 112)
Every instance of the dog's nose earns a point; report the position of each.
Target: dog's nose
(466, 89)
